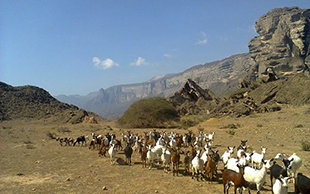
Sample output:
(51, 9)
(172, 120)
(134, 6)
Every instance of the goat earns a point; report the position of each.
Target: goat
(257, 158)
(128, 153)
(62, 140)
(175, 159)
(230, 176)
(197, 166)
(112, 153)
(243, 146)
(284, 160)
(166, 158)
(252, 175)
(302, 184)
(187, 161)
(233, 163)
(275, 172)
(80, 140)
(210, 168)
(280, 186)
(227, 155)
(150, 155)
(144, 151)
(204, 155)
(295, 164)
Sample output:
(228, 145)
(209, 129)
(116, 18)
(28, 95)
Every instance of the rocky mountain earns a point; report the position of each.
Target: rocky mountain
(282, 47)
(283, 42)
(191, 99)
(35, 102)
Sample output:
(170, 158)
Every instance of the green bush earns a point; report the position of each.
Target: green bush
(231, 132)
(299, 126)
(187, 122)
(230, 126)
(151, 112)
(305, 145)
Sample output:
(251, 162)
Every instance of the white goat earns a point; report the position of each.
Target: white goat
(257, 158)
(280, 186)
(204, 155)
(227, 154)
(233, 163)
(211, 136)
(258, 177)
(112, 153)
(150, 155)
(295, 164)
(197, 165)
(166, 158)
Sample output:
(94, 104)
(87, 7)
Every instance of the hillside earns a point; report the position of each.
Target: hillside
(34, 102)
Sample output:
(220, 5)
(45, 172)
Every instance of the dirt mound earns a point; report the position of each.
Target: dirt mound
(34, 102)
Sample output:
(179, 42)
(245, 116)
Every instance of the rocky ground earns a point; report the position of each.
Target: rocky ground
(30, 162)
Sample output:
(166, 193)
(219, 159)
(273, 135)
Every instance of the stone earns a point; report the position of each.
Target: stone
(104, 188)
(283, 41)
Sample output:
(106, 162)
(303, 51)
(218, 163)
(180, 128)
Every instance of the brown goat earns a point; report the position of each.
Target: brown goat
(102, 149)
(236, 178)
(179, 141)
(175, 159)
(210, 168)
(192, 152)
(143, 155)
(187, 161)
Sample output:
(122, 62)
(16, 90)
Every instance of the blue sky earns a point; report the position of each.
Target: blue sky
(77, 47)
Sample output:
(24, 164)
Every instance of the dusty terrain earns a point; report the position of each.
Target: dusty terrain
(32, 163)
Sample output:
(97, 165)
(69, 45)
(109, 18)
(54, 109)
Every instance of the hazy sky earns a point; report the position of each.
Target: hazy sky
(76, 47)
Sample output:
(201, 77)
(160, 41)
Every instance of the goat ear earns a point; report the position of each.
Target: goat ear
(291, 160)
(234, 147)
(271, 159)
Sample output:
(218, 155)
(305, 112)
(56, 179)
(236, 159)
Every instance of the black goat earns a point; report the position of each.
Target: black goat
(302, 184)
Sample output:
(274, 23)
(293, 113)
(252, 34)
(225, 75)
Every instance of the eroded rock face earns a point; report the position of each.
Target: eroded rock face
(283, 41)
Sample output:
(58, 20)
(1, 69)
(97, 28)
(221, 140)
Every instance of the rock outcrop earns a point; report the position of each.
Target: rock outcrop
(193, 100)
(283, 42)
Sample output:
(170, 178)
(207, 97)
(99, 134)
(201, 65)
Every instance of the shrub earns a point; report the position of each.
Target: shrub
(259, 125)
(305, 145)
(299, 126)
(19, 174)
(187, 122)
(151, 112)
(230, 126)
(231, 132)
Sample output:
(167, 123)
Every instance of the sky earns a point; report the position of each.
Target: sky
(79, 46)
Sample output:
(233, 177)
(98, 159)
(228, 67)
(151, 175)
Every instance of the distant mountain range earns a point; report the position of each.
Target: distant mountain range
(219, 76)
(283, 44)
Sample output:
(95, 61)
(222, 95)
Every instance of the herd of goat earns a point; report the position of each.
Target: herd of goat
(166, 148)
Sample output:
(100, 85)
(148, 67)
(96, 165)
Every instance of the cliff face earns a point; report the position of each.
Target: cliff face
(283, 41)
